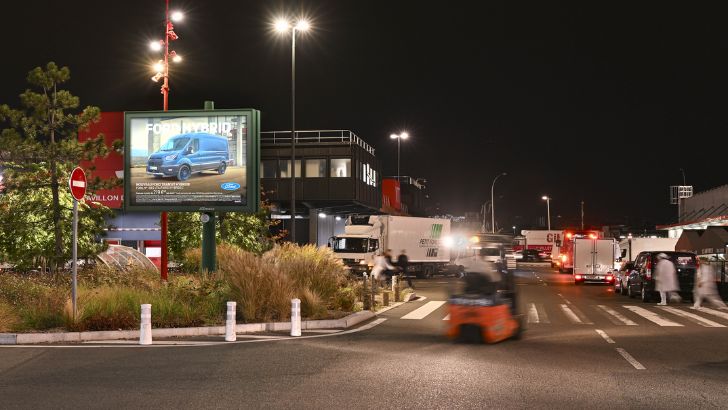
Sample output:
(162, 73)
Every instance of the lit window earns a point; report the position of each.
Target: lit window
(286, 168)
(315, 168)
(341, 167)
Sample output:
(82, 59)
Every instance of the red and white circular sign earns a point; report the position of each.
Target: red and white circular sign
(77, 183)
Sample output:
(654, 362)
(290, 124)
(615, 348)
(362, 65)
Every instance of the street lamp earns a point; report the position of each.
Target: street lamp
(399, 138)
(548, 210)
(492, 201)
(162, 73)
(282, 26)
(514, 230)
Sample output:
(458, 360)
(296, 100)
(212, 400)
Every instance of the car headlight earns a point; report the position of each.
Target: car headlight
(362, 262)
(170, 157)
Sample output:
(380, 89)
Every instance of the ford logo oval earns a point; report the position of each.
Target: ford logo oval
(230, 186)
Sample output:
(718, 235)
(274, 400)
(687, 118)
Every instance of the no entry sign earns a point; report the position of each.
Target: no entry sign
(77, 183)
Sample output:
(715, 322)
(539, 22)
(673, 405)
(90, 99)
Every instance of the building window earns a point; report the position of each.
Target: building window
(285, 165)
(268, 168)
(315, 168)
(341, 167)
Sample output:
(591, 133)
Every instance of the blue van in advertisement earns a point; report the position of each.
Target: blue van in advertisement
(186, 154)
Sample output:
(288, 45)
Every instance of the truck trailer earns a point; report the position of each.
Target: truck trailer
(423, 240)
(631, 247)
(594, 260)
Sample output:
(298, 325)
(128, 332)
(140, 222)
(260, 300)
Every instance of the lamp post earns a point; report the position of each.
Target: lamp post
(548, 210)
(162, 69)
(514, 230)
(283, 26)
(399, 138)
(492, 201)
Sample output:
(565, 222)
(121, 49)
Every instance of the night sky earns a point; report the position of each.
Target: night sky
(601, 102)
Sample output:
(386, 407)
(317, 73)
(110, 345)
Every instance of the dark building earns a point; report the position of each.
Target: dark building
(337, 174)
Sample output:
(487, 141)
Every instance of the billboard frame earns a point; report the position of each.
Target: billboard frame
(252, 179)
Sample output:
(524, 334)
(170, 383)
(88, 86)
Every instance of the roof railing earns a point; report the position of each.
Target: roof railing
(315, 136)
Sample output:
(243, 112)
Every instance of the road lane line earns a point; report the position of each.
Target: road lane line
(722, 315)
(446, 317)
(616, 317)
(604, 335)
(423, 311)
(695, 318)
(532, 313)
(651, 316)
(542, 314)
(571, 315)
(628, 357)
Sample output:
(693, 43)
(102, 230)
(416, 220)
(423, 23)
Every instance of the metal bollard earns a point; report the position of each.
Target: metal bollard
(395, 287)
(295, 317)
(365, 298)
(385, 298)
(145, 332)
(230, 334)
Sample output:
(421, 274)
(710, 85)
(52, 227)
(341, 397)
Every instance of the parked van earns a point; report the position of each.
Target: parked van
(185, 154)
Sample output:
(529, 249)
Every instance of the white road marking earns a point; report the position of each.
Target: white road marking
(616, 317)
(604, 335)
(446, 317)
(423, 311)
(651, 316)
(571, 315)
(420, 298)
(722, 315)
(695, 318)
(628, 357)
(532, 313)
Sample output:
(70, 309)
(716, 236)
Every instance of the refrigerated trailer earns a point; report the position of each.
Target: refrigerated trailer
(594, 260)
(423, 240)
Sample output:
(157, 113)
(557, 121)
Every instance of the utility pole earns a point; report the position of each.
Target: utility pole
(582, 215)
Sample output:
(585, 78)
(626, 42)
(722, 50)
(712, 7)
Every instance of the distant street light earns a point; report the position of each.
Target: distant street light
(399, 138)
(492, 201)
(548, 210)
(514, 230)
(162, 72)
(283, 26)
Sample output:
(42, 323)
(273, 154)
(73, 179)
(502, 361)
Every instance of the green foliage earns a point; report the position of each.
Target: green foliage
(250, 232)
(38, 148)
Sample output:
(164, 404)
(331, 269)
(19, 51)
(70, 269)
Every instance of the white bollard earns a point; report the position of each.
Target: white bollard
(295, 317)
(230, 335)
(145, 333)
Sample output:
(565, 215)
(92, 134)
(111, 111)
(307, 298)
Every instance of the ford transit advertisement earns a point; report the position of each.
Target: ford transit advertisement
(187, 160)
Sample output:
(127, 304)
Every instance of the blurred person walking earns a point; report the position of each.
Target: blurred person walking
(666, 280)
(381, 267)
(705, 288)
(402, 263)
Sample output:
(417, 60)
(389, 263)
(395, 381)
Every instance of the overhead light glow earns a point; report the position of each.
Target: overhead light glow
(404, 135)
(322, 215)
(155, 45)
(177, 58)
(281, 25)
(158, 67)
(177, 16)
(303, 25)
(544, 197)
(394, 136)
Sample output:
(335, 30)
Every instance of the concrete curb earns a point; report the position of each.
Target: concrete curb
(78, 337)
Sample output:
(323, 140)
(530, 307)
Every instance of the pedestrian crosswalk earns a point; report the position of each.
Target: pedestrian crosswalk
(620, 315)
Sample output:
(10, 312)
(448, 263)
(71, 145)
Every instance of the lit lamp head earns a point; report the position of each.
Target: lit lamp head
(303, 25)
(545, 198)
(177, 16)
(281, 25)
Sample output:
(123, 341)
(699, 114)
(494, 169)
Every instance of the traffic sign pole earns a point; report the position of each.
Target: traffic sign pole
(77, 185)
(75, 263)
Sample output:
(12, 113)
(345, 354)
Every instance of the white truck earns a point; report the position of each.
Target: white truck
(365, 237)
(631, 247)
(594, 260)
(542, 240)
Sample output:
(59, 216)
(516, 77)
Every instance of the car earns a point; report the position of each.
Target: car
(533, 255)
(620, 281)
(185, 154)
(641, 280)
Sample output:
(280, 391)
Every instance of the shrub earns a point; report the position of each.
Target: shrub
(37, 300)
(312, 307)
(100, 275)
(192, 260)
(345, 298)
(8, 318)
(310, 268)
(263, 292)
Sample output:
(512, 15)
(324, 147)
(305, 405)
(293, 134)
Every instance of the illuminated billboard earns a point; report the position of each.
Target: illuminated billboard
(191, 160)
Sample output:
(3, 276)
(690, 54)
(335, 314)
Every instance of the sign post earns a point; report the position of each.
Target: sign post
(77, 184)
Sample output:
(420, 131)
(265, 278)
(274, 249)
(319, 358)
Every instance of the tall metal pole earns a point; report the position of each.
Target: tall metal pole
(399, 139)
(165, 106)
(582, 215)
(75, 255)
(293, 134)
(492, 202)
(548, 212)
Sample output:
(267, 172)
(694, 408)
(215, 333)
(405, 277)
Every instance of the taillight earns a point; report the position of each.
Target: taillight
(592, 236)
(569, 235)
(610, 278)
(648, 269)
(577, 277)
(563, 258)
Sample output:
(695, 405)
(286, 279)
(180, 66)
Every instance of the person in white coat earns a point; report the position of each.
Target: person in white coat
(381, 266)
(705, 289)
(666, 279)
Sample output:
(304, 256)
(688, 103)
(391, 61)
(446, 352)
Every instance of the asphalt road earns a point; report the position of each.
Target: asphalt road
(561, 362)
